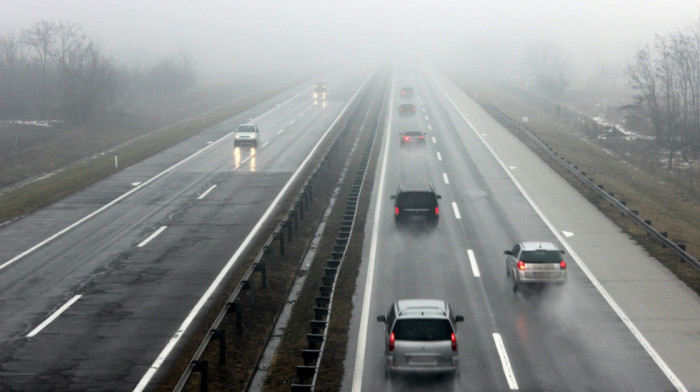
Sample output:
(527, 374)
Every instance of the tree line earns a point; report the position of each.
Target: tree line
(53, 70)
(665, 76)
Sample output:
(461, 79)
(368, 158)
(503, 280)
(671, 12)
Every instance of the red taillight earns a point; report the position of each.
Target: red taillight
(396, 210)
(421, 137)
(403, 93)
(562, 264)
(413, 110)
(406, 138)
(437, 210)
(521, 265)
(454, 341)
(392, 338)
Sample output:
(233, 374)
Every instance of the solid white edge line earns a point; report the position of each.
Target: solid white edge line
(138, 187)
(232, 261)
(203, 195)
(152, 236)
(603, 292)
(472, 262)
(456, 210)
(444, 177)
(54, 316)
(505, 362)
(369, 281)
(439, 156)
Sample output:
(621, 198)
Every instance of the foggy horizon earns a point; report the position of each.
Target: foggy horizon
(239, 37)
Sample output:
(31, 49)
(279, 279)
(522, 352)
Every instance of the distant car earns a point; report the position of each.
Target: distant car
(320, 90)
(412, 137)
(246, 134)
(407, 92)
(420, 337)
(535, 262)
(414, 201)
(407, 109)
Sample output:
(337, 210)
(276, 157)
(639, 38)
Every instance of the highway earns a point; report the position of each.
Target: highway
(575, 337)
(97, 290)
(94, 288)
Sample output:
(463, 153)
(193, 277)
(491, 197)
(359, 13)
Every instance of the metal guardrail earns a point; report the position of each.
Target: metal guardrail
(307, 374)
(633, 214)
(276, 241)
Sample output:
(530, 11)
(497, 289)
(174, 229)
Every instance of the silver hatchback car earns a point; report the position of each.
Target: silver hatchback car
(420, 337)
(535, 262)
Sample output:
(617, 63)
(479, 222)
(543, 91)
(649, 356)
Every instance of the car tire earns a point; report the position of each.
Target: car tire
(387, 373)
(515, 285)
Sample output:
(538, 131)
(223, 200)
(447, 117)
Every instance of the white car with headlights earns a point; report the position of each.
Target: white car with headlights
(246, 134)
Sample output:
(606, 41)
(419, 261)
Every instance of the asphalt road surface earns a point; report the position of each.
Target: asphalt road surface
(93, 288)
(635, 331)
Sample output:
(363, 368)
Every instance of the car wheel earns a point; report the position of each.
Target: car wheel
(515, 285)
(387, 372)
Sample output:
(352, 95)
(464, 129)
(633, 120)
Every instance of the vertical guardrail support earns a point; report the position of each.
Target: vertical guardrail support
(263, 274)
(220, 335)
(234, 307)
(269, 250)
(202, 367)
(250, 285)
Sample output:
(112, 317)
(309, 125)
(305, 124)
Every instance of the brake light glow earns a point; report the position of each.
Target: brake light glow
(396, 210)
(406, 138)
(454, 341)
(521, 265)
(562, 264)
(392, 339)
(437, 210)
(421, 137)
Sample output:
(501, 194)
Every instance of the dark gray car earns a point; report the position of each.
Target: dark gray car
(420, 337)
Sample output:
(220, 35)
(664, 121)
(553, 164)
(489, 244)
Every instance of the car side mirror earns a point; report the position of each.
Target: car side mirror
(381, 319)
(439, 197)
(392, 197)
(459, 319)
(562, 252)
(507, 252)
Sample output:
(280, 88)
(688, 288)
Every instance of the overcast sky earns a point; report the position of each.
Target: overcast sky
(222, 35)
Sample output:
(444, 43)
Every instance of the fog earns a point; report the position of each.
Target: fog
(238, 37)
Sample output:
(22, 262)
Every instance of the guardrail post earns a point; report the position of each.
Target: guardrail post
(250, 285)
(220, 335)
(296, 216)
(269, 250)
(236, 308)
(279, 236)
(289, 230)
(263, 274)
(203, 368)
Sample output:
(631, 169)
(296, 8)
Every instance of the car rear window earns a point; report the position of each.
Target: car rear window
(246, 128)
(423, 329)
(541, 256)
(417, 199)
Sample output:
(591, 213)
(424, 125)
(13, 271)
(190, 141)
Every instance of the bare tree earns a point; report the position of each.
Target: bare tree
(41, 38)
(549, 66)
